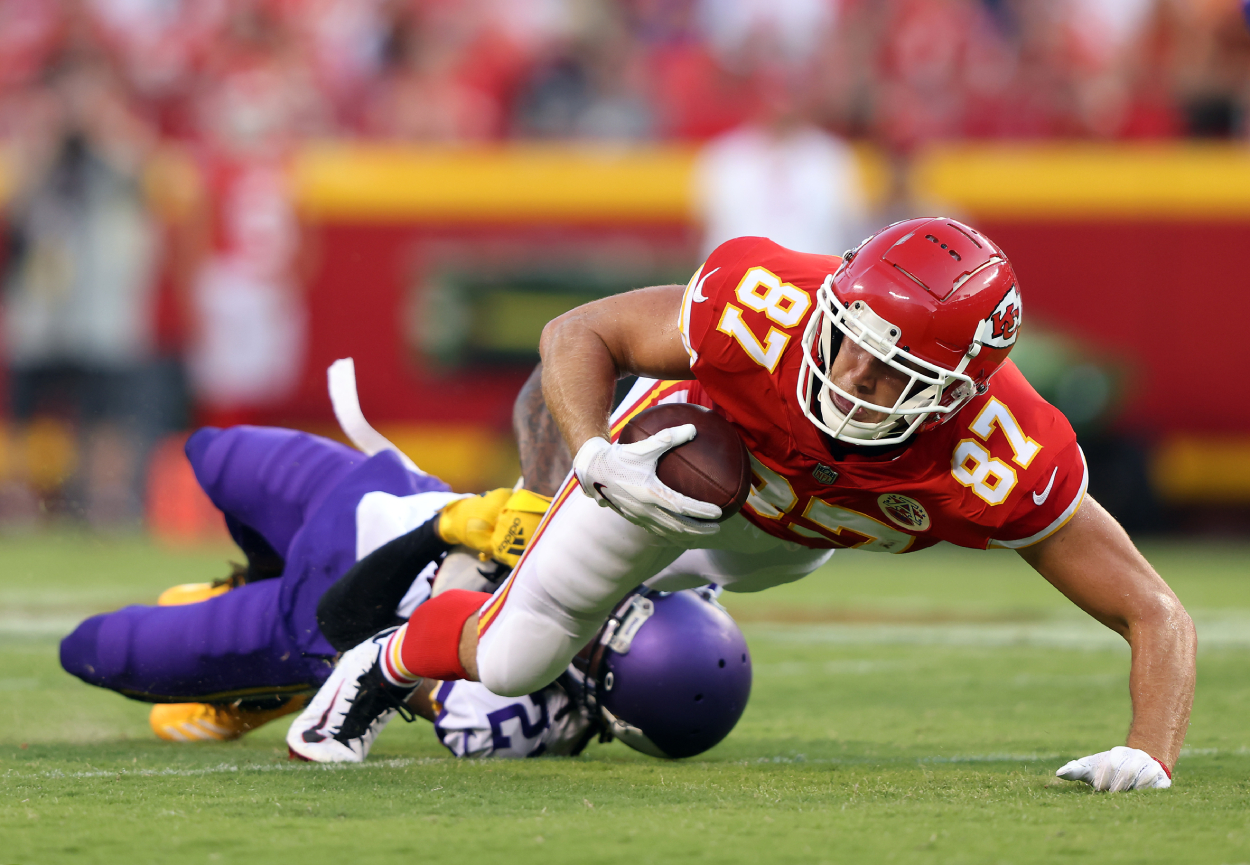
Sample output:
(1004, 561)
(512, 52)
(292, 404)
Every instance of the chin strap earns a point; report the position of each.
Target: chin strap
(974, 348)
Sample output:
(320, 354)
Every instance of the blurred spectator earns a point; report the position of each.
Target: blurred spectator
(692, 95)
(79, 298)
(426, 90)
(790, 31)
(904, 72)
(342, 43)
(248, 316)
(918, 88)
(1210, 69)
(30, 31)
(620, 107)
(782, 177)
(595, 86)
(161, 46)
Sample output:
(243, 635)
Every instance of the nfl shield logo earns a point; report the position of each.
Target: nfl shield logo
(824, 475)
(904, 511)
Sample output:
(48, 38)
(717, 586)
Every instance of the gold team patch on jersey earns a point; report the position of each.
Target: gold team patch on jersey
(904, 511)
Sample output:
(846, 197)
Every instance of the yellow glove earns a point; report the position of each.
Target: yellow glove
(519, 518)
(471, 521)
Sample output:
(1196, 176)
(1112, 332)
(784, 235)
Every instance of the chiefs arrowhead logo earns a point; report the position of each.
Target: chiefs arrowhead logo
(1004, 321)
(904, 511)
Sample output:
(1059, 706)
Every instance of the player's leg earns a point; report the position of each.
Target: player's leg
(228, 647)
(581, 561)
(738, 570)
(585, 560)
(215, 722)
(268, 480)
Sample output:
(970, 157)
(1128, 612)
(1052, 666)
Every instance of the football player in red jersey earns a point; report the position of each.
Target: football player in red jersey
(875, 396)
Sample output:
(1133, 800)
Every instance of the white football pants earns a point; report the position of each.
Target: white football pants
(585, 559)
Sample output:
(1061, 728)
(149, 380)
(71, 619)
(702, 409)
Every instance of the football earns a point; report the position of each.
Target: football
(713, 468)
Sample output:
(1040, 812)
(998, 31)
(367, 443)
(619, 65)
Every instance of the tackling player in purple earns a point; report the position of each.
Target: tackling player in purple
(292, 502)
(340, 545)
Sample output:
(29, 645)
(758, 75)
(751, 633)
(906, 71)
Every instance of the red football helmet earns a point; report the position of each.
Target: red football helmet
(931, 297)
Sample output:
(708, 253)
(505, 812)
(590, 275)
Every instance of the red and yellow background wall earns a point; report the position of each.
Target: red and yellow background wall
(1142, 251)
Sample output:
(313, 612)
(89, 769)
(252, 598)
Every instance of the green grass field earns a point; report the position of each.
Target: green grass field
(905, 709)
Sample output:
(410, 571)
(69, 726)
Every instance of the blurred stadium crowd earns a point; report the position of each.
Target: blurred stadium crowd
(154, 256)
(233, 72)
(900, 71)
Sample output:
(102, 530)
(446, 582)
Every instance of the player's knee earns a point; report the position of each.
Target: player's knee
(516, 680)
(515, 661)
(500, 682)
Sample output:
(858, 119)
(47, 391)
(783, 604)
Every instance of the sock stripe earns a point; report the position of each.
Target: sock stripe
(392, 664)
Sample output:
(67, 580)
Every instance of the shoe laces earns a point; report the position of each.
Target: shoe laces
(401, 706)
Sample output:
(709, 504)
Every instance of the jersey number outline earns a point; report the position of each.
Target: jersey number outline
(972, 465)
(775, 498)
(784, 304)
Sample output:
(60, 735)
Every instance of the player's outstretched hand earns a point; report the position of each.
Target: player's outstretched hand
(623, 477)
(1119, 769)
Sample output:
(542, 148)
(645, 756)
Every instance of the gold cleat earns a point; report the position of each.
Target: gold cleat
(209, 722)
(194, 593)
(190, 593)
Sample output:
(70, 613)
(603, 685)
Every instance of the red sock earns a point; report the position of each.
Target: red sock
(431, 646)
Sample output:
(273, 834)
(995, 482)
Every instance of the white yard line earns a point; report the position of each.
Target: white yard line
(228, 768)
(38, 625)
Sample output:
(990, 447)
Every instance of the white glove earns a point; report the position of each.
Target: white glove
(1116, 770)
(622, 477)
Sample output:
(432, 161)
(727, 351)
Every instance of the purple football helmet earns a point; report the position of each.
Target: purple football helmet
(670, 673)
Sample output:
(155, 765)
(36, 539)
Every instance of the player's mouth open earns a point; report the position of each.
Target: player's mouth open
(860, 413)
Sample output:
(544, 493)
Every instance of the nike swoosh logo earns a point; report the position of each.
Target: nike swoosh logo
(698, 296)
(311, 734)
(599, 489)
(1037, 500)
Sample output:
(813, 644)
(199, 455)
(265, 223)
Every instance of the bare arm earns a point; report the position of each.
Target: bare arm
(587, 349)
(1093, 562)
(584, 352)
(545, 459)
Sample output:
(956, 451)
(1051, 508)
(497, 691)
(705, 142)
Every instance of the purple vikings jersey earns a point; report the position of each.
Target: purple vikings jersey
(473, 722)
(309, 503)
(317, 507)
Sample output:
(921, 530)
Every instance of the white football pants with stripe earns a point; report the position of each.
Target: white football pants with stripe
(586, 559)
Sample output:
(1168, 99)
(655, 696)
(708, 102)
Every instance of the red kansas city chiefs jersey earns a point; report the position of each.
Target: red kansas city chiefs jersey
(1005, 471)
